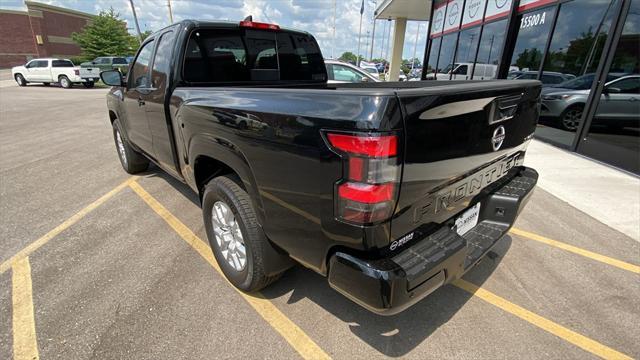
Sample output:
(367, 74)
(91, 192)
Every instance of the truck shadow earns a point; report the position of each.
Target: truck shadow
(396, 335)
(393, 336)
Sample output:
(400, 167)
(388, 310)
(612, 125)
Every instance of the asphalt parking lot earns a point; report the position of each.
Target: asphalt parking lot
(96, 264)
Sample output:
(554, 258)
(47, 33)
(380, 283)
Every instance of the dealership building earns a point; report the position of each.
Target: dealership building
(585, 52)
(40, 31)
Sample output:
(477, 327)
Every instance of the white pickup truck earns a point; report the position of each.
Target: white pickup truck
(50, 70)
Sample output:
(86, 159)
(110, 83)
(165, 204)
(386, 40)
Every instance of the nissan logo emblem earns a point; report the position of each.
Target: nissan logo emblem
(498, 137)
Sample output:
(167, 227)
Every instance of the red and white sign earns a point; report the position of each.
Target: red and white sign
(531, 4)
(497, 9)
(438, 18)
(453, 16)
(473, 11)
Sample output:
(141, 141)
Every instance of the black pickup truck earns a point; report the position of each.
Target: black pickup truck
(389, 189)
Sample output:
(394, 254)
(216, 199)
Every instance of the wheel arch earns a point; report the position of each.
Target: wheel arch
(209, 158)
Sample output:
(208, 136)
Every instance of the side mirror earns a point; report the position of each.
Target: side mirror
(112, 77)
(612, 90)
(364, 79)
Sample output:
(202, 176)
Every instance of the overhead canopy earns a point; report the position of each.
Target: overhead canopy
(408, 9)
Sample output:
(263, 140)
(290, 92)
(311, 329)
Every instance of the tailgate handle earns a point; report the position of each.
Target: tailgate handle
(505, 109)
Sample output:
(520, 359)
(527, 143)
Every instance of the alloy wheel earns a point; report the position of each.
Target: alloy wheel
(228, 236)
(121, 149)
(571, 119)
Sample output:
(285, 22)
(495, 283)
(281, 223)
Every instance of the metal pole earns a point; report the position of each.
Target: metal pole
(135, 19)
(170, 12)
(359, 34)
(386, 51)
(384, 30)
(333, 43)
(373, 37)
(415, 46)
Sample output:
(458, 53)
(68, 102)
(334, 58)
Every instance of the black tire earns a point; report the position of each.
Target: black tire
(46, 84)
(252, 277)
(65, 82)
(569, 120)
(20, 80)
(132, 161)
(88, 84)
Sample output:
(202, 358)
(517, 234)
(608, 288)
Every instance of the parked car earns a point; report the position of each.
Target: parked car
(619, 104)
(108, 63)
(341, 72)
(462, 71)
(371, 70)
(548, 77)
(401, 76)
(390, 190)
(49, 70)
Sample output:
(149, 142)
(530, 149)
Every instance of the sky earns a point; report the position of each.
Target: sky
(314, 16)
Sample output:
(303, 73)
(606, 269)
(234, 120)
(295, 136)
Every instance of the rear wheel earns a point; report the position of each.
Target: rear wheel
(132, 161)
(20, 80)
(238, 243)
(65, 82)
(88, 84)
(570, 118)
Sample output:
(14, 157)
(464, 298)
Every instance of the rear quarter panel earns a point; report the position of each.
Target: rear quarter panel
(272, 139)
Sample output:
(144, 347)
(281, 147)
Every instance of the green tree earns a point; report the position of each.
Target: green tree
(106, 35)
(348, 56)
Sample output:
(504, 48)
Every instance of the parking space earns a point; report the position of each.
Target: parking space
(129, 274)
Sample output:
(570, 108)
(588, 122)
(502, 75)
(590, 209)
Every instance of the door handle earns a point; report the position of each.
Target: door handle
(633, 99)
(140, 102)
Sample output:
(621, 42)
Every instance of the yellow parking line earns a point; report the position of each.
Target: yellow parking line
(297, 338)
(576, 250)
(60, 228)
(25, 342)
(560, 331)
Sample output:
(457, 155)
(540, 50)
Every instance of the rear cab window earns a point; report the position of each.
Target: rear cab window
(248, 55)
(61, 63)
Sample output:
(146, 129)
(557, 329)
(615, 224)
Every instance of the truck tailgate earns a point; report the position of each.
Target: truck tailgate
(459, 139)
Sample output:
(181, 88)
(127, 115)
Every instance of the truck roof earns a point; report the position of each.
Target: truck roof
(223, 24)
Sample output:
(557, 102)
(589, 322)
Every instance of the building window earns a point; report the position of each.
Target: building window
(490, 50)
(432, 62)
(466, 54)
(446, 52)
(573, 49)
(532, 38)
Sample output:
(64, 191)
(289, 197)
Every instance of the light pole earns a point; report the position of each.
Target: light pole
(170, 12)
(359, 34)
(415, 46)
(135, 19)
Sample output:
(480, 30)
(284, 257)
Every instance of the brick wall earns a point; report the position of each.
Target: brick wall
(16, 41)
(55, 25)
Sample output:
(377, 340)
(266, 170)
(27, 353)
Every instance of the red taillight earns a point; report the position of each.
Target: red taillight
(372, 146)
(367, 192)
(259, 25)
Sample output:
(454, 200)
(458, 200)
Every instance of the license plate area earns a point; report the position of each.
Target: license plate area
(467, 220)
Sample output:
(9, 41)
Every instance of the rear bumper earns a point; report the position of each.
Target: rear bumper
(389, 285)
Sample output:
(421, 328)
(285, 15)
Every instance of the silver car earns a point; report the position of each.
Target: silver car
(619, 104)
(342, 72)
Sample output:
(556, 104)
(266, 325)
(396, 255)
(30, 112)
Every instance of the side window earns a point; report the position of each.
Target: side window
(160, 69)
(461, 70)
(627, 86)
(120, 61)
(42, 63)
(343, 73)
(139, 76)
(104, 61)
